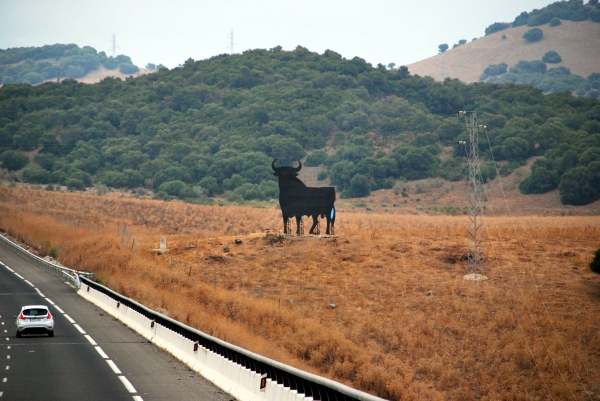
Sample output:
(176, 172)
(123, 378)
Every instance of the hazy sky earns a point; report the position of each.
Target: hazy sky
(170, 32)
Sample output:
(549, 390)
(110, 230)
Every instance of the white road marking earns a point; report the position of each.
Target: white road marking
(50, 302)
(39, 292)
(19, 276)
(7, 367)
(91, 340)
(4, 380)
(2, 323)
(58, 309)
(101, 352)
(1, 393)
(6, 338)
(69, 318)
(137, 398)
(79, 328)
(8, 347)
(127, 384)
(113, 366)
(9, 269)
(29, 282)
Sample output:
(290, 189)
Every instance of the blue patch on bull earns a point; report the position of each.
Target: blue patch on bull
(332, 213)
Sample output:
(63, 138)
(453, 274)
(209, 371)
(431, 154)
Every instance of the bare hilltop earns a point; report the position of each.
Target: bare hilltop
(578, 43)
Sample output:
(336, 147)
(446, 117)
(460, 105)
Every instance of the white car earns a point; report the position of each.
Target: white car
(35, 319)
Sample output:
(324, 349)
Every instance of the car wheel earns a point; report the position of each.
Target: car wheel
(18, 334)
(51, 333)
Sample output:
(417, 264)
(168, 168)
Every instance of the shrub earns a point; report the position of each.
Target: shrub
(493, 70)
(496, 27)
(128, 68)
(12, 160)
(534, 66)
(551, 57)
(172, 188)
(36, 175)
(316, 158)
(533, 35)
(75, 184)
(595, 263)
(555, 22)
(322, 175)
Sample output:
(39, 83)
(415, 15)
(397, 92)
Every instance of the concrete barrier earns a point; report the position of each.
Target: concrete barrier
(235, 379)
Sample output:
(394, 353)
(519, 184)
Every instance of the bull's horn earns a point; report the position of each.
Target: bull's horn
(273, 165)
(299, 166)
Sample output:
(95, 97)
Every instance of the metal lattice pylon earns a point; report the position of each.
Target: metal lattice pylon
(475, 236)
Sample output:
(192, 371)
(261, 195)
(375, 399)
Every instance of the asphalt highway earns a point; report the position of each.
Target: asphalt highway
(92, 356)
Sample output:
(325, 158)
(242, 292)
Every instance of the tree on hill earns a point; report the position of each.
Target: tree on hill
(533, 35)
(496, 27)
(555, 22)
(442, 48)
(551, 57)
(460, 42)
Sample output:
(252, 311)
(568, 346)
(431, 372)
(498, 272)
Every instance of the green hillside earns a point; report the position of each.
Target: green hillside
(214, 126)
(32, 65)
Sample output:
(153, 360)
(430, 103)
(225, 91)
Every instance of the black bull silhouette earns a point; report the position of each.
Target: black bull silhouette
(297, 200)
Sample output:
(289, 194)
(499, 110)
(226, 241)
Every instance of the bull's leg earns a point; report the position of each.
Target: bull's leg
(286, 225)
(299, 225)
(315, 224)
(330, 221)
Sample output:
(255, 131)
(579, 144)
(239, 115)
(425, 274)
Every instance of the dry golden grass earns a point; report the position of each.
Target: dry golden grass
(578, 43)
(406, 325)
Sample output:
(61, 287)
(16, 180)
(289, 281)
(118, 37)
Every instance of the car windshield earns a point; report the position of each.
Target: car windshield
(35, 312)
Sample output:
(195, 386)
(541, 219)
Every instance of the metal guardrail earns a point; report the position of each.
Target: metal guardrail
(317, 387)
(62, 272)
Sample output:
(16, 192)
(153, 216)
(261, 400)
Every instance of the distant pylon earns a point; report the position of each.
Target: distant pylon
(442, 68)
(476, 244)
(231, 43)
(114, 46)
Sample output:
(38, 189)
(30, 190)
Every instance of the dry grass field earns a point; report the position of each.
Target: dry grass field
(383, 307)
(578, 43)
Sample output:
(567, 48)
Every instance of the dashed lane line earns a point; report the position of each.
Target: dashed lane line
(18, 275)
(101, 352)
(59, 309)
(29, 282)
(91, 340)
(113, 366)
(69, 318)
(127, 384)
(49, 301)
(78, 327)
